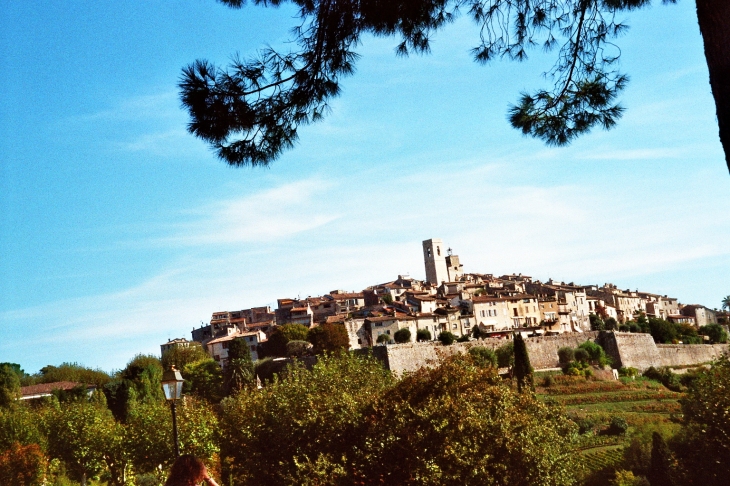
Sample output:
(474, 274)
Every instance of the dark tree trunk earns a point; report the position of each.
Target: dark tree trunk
(714, 19)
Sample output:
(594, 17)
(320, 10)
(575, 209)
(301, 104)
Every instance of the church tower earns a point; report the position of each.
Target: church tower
(434, 258)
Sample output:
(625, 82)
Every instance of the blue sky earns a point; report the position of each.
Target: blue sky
(118, 230)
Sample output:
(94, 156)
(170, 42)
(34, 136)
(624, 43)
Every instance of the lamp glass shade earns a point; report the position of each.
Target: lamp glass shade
(172, 382)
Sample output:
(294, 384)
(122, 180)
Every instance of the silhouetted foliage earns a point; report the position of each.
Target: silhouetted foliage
(660, 470)
(251, 112)
(522, 368)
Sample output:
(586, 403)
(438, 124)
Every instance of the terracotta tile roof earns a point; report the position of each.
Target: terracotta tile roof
(47, 388)
(346, 296)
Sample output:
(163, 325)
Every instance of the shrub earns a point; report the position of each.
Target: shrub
(581, 355)
(383, 339)
(618, 426)
(402, 336)
(596, 354)
(484, 357)
(463, 339)
(506, 355)
(628, 372)
(447, 338)
(566, 355)
(329, 338)
(298, 348)
(547, 381)
(423, 335)
(585, 424)
(665, 377)
(716, 333)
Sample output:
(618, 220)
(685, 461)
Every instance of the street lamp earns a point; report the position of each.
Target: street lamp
(172, 382)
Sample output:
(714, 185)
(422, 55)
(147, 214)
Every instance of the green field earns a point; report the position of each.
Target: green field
(594, 404)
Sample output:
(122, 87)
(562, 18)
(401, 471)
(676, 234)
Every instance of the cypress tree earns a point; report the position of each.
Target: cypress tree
(522, 368)
(660, 470)
(239, 372)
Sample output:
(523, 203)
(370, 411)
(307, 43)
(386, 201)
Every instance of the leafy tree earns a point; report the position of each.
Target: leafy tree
(9, 385)
(139, 381)
(705, 447)
(387, 299)
(566, 355)
(597, 323)
(383, 338)
(726, 303)
(25, 379)
(460, 423)
(203, 379)
(294, 332)
(447, 338)
(299, 349)
(329, 338)
(506, 356)
(276, 343)
(144, 372)
(23, 465)
(662, 331)
(402, 336)
(716, 333)
(596, 354)
(180, 356)
(72, 372)
(522, 368)
(78, 434)
(251, 112)
(610, 324)
(423, 335)
(483, 356)
(627, 478)
(20, 424)
(660, 470)
(300, 429)
(149, 437)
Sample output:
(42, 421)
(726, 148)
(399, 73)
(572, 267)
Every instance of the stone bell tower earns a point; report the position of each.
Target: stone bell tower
(434, 259)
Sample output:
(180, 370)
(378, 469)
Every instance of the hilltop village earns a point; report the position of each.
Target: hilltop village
(449, 300)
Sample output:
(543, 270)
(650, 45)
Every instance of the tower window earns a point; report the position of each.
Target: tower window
(438, 250)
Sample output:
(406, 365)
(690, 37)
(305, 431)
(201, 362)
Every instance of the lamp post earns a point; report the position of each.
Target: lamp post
(172, 382)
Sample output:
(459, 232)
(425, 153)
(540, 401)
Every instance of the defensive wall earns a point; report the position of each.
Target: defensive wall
(625, 349)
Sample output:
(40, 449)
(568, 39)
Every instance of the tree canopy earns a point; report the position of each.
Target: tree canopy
(250, 112)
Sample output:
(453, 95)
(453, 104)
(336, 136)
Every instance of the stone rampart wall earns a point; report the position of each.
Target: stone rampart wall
(635, 350)
(625, 349)
(690, 354)
(543, 351)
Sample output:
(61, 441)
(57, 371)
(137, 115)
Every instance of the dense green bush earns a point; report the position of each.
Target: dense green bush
(484, 356)
(566, 354)
(402, 336)
(664, 376)
(628, 372)
(617, 426)
(446, 338)
(383, 338)
(423, 335)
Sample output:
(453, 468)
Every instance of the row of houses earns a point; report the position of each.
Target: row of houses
(448, 300)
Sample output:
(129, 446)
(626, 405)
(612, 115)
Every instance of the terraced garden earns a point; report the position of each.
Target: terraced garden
(608, 413)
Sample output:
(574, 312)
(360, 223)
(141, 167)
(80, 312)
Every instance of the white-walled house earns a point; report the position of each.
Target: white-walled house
(218, 348)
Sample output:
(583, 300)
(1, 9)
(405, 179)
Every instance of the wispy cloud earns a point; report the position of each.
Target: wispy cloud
(269, 215)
